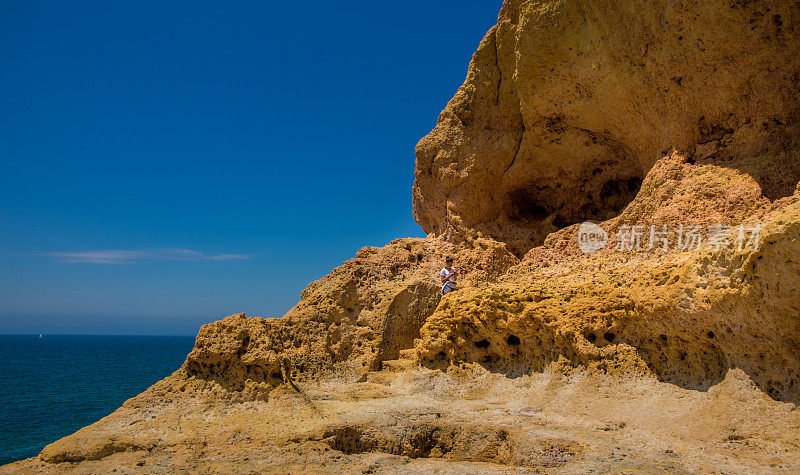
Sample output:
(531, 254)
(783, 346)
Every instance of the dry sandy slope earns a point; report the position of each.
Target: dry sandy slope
(459, 421)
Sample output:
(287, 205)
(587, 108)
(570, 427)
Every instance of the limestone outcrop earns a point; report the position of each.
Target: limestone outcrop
(346, 324)
(568, 104)
(664, 115)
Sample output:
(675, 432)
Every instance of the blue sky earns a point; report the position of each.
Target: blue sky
(165, 164)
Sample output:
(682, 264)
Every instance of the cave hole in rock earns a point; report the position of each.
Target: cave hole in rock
(483, 344)
(597, 194)
(513, 340)
(530, 203)
(609, 336)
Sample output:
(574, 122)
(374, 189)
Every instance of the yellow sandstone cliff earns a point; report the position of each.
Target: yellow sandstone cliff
(623, 113)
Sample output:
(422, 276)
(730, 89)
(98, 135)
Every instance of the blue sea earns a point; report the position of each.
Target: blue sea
(52, 386)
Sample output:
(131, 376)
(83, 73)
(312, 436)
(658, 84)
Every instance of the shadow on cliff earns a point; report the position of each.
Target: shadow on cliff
(773, 164)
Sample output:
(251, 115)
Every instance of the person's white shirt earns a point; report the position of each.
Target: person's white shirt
(449, 274)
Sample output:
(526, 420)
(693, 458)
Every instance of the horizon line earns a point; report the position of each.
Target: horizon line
(100, 334)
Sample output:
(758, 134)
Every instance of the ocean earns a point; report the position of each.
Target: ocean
(52, 386)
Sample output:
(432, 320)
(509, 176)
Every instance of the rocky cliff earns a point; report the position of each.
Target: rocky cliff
(569, 104)
(662, 358)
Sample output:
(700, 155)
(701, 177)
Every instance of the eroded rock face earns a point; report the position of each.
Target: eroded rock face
(686, 317)
(347, 323)
(568, 104)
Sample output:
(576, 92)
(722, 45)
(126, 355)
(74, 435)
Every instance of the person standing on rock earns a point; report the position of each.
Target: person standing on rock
(448, 275)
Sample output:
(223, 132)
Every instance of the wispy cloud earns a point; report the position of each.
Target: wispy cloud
(131, 256)
(227, 257)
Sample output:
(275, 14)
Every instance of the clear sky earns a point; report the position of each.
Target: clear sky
(164, 164)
